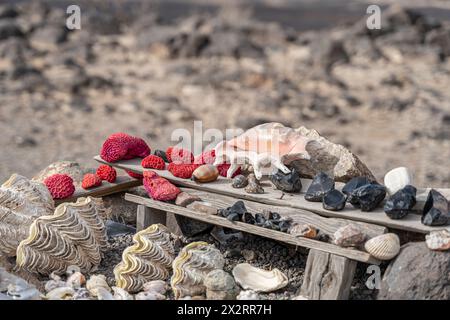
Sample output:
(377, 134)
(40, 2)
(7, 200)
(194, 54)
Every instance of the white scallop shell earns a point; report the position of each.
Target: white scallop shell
(383, 247)
(74, 235)
(438, 240)
(397, 179)
(21, 202)
(149, 258)
(259, 280)
(191, 266)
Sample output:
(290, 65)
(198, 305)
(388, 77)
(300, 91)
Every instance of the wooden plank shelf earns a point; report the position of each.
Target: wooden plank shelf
(277, 198)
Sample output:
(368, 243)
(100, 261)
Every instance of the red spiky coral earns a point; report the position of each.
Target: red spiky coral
(182, 170)
(153, 162)
(107, 173)
(206, 157)
(175, 154)
(121, 146)
(159, 188)
(91, 180)
(134, 175)
(223, 168)
(60, 186)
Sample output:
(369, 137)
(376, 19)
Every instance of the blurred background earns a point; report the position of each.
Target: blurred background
(149, 67)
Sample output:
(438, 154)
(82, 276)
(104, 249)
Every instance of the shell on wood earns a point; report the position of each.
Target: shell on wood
(205, 173)
(438, 240)
(21, 202)
(383, 247)
(74, 235)
(191, 266)
(259, 280)
(397, 179)
(149, 258)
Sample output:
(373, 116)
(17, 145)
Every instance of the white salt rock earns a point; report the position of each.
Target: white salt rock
(397, 179)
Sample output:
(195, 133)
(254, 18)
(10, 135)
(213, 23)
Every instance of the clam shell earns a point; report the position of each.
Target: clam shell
(383, 247)
(205, 173)
(438, 240)
(397, 179)
(259, 280)
(61, 293)
(97, 285)
(121, 294)
(76, 280)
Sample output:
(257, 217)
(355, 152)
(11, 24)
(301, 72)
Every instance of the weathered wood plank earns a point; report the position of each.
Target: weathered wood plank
(263, 232)
(327, 276)
(147, 216)
(122, 183)
(277, 198)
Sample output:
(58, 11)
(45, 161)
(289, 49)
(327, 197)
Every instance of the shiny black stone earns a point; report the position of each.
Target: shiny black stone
(401, 203)
(259, 219)
(436, 210)
(367, 197)
(161, 154)
(354, 183)
(248, 218)
(237, 209)
(274, 216)
(233, 217)
(321, 184)
(284, 225)
(287, 182)
(334, 200)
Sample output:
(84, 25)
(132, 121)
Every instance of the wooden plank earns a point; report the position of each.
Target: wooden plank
(147, 216)
(327, 276)
(276, 197)
(122, 183)
(263, 232)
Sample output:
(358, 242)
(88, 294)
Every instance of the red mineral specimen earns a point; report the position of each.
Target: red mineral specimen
(91, 180)
(60, 186)
(107, 173)
(182, 170)
(206, 157)
(134, 175)
(159, 188)
(223, 168)
(153, 162)
(121, 146)
(180, 155)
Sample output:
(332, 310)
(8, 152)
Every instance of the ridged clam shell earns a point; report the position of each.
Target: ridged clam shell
(397, 179)
(21, 202)
(97, 284)
(438, 240)
(191, 266)
(259, 280)
(149, 258)
(205, 173)
(383, 247)
(74, 235)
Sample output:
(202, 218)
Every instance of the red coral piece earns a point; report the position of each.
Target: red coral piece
(60, 186)
(159, 188)
(153, 162)
(206, 157)
(91, 180)
(107, 173)
(223, 168)
(175, 154)
(121, 146)
(182, 170)
(134, 175)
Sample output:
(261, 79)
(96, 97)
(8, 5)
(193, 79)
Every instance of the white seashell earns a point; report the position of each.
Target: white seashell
(248, 295)
(438, 240)
(95, 283)
(17, 288)
(53, 284)
(21, 202)
(158, 286)
(76, 280)
(61, 293)
(71, 270)
(149, 296)
(121, 294)
(74, 235)
(300, 297)
(259, 280)
(81, 294)
(397, 179)
(104, 294)
(383, 247)
(149, 258)
(191, 266)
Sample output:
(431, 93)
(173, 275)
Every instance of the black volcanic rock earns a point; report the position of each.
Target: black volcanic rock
(355, 183)
(401, 203)
(289, 182)
(334, 200)
(436, 210)
(321, 184)
(367, 197)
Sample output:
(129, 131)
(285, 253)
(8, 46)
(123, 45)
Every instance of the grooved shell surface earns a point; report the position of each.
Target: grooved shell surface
(74, 235)
(191, 266)
(21, 202)
(259, 280)
(149, 258)
(383, 247)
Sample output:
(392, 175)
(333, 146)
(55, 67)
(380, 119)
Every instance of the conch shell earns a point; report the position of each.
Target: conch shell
(191, 266)
(74, 235)
(259, 280)
(21, 202)
(149, 258)
(383, 247)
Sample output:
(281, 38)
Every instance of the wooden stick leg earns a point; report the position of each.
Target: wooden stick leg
(147, 216)
(327, 276)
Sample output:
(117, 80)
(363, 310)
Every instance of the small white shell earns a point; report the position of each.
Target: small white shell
(61, 293)
(121, 294)
(95, 283)
(383, 247)
(76, 280)
(150, 295)
(438, 240)
(259, 280)
(397, 179)
(248, 295)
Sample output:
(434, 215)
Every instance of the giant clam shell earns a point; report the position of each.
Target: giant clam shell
(397, 179)
(383, 247)
(259, 280)
(74, 235)
(438, 240)
(191, 266)
(149, 258)
(21, 202)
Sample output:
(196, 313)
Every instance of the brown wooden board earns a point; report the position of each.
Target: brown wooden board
(122, 183)
(277, 198)
(249, 228)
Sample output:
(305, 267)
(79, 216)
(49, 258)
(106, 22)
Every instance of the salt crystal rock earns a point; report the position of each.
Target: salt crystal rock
(248, 295)
(438, 240)
(321, 184)
(383, 247)
(349, 236)
(436, 210)
(334, 200)
(397, 179)
(401, 203)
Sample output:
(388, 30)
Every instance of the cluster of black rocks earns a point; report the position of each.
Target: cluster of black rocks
(436, 211)
(266, 219)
